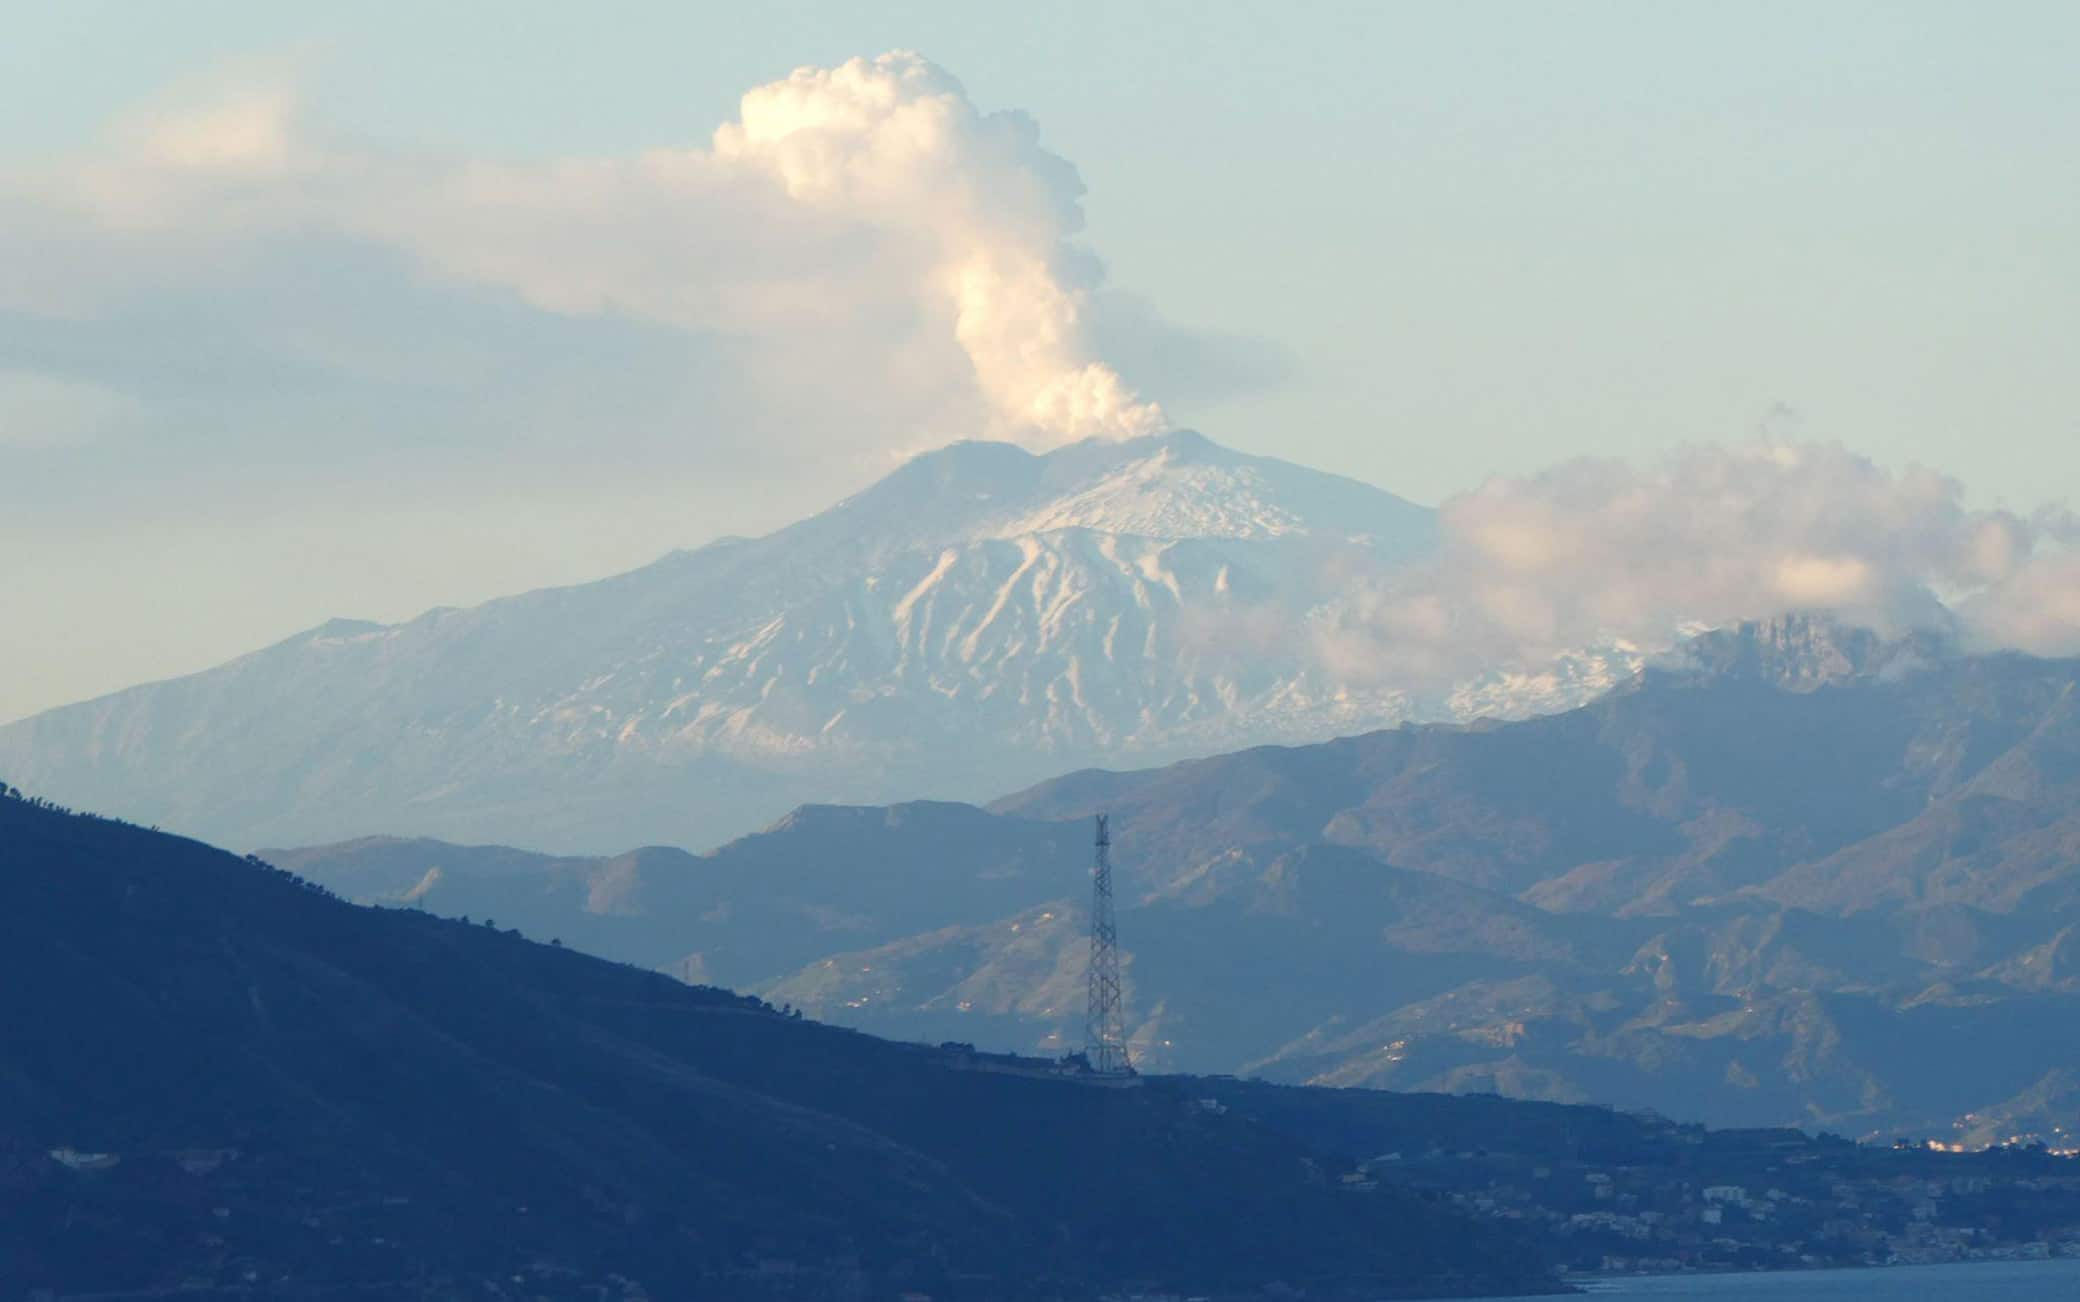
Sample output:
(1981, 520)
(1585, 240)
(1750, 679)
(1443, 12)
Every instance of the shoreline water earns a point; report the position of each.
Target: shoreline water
(2030, 1280)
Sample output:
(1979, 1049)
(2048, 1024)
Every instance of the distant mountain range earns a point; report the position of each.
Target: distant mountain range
(1805, 876)
(981, 619)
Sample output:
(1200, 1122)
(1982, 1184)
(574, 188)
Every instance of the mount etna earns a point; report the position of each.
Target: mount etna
(981, 619)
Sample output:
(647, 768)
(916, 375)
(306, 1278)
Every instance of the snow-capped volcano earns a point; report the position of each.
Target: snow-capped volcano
(981, 618)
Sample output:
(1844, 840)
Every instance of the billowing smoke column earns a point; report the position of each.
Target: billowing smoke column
(1592, 553)
(844, 203)
(896, 140)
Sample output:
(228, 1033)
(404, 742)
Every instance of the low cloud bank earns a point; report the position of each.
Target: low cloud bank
(871, 208)
(1595, 553)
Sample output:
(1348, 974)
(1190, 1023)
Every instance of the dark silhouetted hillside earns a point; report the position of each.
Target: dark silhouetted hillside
(217, 1075)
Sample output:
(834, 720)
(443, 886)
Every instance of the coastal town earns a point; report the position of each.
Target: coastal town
(1612, 1192)
(1767, 1200)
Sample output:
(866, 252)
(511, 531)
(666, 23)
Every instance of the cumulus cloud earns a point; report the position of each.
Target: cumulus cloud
(871, 206)
(1595, 553)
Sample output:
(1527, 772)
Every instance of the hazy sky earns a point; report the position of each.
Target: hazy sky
(333, 309)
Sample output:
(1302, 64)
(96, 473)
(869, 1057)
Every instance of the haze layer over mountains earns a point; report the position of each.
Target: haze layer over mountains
(979, 620)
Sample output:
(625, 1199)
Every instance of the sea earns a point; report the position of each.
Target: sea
(1979, 1281)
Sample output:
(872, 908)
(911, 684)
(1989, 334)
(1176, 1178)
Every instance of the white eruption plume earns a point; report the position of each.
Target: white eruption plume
(897, 140)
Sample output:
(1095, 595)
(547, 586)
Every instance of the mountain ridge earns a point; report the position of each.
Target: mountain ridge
(1775, 899)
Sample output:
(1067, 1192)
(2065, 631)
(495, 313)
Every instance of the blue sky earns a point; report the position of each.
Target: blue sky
(1418, 244)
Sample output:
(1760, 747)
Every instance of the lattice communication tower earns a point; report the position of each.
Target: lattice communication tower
(1104, 1023)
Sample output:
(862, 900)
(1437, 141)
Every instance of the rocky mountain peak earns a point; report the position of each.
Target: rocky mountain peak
(1802, 652)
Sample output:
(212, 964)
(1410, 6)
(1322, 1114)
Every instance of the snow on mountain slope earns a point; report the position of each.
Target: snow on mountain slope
(981, 618)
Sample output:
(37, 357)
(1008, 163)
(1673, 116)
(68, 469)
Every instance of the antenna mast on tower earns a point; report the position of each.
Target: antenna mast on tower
(1104, 1025)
